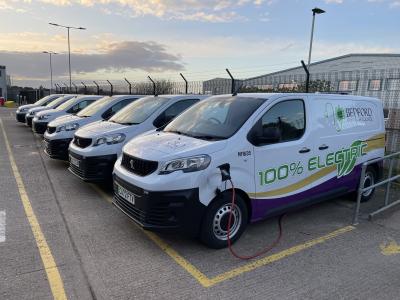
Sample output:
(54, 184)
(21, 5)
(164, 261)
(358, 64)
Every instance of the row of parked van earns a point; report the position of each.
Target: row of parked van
(170, 157)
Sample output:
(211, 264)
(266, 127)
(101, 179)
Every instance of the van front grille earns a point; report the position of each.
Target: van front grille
(82, 142)
(138, 166)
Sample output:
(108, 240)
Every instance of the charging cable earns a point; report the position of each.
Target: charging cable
(262, 252)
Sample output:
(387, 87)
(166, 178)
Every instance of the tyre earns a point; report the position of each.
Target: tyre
(370, 179)
(214, 227)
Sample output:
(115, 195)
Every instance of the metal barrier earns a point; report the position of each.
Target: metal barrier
(387, 181)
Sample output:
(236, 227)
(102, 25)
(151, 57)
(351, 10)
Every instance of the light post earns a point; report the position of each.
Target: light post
(315, 11)
(69, 47)
(50, 53)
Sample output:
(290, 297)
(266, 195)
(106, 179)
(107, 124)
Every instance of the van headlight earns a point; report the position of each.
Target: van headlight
(22, 109)
(187, 164)
(68, 127)
(110, 139)
(44, 117)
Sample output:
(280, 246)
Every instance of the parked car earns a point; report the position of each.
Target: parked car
(281, 151)
(95, 147)
(60, 131)
(23, 109)
(53, 104)
(72, 106)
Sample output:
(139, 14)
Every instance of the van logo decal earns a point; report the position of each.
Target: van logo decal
(132, 164)
(344, 160)
(338, 115)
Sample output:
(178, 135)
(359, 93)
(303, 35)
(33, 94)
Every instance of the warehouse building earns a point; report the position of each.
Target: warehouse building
(3, 82)
(375, 75)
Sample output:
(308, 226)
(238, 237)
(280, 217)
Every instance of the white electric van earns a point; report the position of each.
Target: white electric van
(23, 109)
(60, 131)
(282, 151)
(53, 104)
(95, 147)
(72, 106)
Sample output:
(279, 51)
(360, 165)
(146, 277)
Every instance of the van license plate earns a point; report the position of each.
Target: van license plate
(74, 161)
(127, 195)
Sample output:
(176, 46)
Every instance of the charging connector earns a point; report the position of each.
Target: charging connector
(225, 172)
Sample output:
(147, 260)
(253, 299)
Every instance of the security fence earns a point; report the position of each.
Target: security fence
(383, 84)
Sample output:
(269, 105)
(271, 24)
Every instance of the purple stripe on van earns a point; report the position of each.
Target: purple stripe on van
(261, 207)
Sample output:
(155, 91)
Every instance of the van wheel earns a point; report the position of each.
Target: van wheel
(215, 223)
(370, 179)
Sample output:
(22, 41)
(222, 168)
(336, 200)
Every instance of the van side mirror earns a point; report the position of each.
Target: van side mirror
(269, 135)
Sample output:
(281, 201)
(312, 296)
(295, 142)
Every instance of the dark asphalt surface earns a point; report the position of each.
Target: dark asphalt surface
(101, 254)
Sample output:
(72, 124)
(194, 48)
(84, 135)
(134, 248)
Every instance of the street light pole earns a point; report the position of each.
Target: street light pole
(50, 53)
(315, 11)
(69, 47)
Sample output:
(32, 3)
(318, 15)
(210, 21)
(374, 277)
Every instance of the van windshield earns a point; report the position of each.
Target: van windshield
(138, 111)
(215, 118)
(66, 104)
(55, 103)
(94, 107)
(42, 101)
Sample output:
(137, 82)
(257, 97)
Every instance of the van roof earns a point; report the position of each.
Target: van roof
(315, 95)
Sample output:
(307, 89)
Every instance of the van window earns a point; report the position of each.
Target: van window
(171, 112)
(115, 108)
(90, 110)
(285, 120)
(214, 119)
(138, 111)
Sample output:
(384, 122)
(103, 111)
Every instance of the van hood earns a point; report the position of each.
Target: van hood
(64, 120)
(51, 112)
(39, 108)
(27, 107)
(165, 146)
(98, 129)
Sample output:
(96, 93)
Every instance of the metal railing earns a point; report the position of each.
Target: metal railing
(388, 181)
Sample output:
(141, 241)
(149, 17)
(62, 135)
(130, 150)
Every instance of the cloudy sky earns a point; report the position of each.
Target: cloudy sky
(200, 38)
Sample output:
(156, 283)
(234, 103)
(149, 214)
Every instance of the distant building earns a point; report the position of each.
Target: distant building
(3, 82)
(375, 75)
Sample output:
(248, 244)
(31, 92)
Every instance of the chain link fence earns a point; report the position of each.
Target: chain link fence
(383, 84)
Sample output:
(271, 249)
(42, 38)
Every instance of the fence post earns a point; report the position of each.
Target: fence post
(67, 88)
(388, 184)
(85, 87)
(359, 194)
(154, 86)
(76, 88)
(111, 88)
(130, 86)
(233, 89)
(307, 76)
(98, 88)
(186, 83)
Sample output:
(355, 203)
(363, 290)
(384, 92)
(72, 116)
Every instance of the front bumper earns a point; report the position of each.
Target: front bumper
(93, 168)
(178, 210)
(57, 148)
(20, 117)
(28, 120)
(39, 127)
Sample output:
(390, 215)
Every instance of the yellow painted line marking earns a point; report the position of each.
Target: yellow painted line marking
(390, 248)
(53, 275)
(208, 282)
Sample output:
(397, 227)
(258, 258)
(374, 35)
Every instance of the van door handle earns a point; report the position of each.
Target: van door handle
(323, 147)
(304, 150)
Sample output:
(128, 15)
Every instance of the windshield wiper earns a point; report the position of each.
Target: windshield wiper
(129, 123)
(208, 137)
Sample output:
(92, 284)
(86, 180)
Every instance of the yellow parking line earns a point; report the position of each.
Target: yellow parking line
(208, 282)
(53, 275)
